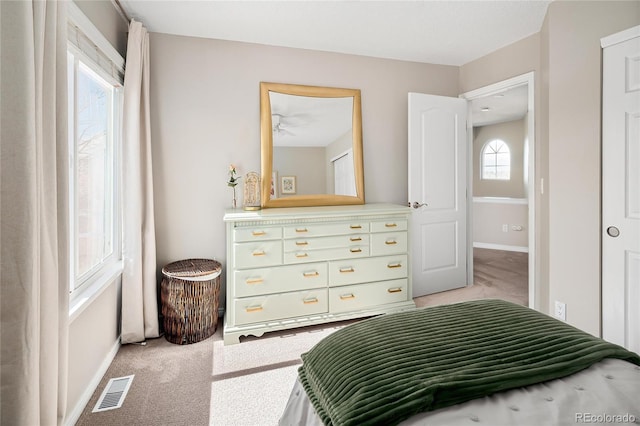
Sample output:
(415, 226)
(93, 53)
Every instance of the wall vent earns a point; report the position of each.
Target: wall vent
(114, 393)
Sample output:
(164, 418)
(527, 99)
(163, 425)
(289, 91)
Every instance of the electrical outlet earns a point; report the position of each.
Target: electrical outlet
(505, 228)
(561, 311)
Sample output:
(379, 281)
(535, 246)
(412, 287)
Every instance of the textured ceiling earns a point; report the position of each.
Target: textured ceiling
(439, 32)
(452, 32)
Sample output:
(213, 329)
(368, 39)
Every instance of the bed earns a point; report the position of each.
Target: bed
(485, 361)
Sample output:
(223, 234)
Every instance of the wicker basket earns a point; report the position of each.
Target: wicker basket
(189, 296)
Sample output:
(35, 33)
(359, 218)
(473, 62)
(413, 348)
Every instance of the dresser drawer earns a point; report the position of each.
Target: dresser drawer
(255, 282)
(256, 234)
(338, 241)
(388, 243)
(360, 296)
(303, 256)
(258, 254)
(389, 225)
(325, 229)
(342, 272)
(280, 306)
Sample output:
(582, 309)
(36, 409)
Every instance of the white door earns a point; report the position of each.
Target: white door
(621, 193)
(437, 191)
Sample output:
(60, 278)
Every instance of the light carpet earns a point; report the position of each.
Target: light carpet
(249, 384)
(249, 378)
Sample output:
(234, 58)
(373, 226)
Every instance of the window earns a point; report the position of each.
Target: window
(95, 106)
(495, 160)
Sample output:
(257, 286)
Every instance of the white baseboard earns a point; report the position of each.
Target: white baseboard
(490, 246)
(73, 416)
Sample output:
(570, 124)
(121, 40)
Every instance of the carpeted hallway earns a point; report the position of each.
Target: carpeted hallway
(248, 384)
(497, 274)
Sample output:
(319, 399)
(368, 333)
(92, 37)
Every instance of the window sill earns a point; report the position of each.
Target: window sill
(500, 200)
(81, 299)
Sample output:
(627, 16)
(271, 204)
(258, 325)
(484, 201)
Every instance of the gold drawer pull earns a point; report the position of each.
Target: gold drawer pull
(394, 265)
(259, 253)
(395, 290)
(355, 226)
(310, 300)
(299, 255)
(253, 308)
(355, 250)
(302, 243)
(346, 270)
(254, 281)
(390, 225)
(390, 242)
(355, 239)
(258, 233)
(311, 274)
(301, 230)
(347, 296)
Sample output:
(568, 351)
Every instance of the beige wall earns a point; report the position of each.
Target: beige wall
(516, 59)
(489, 218)
(306, 164)
(510, 61)
(110, 23)
(513, 134)
(566, 56)
(205, 115)
(93, 336)
(574, 90)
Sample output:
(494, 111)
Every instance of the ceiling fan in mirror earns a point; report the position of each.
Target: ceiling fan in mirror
(279, 127)
(282, 124)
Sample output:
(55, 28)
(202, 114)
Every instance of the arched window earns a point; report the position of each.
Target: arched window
(496, 160)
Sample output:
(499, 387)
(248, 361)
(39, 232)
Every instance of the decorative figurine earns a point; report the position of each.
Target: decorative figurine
(251, 191)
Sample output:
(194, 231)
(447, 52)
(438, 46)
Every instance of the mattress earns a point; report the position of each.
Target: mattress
(608, 392)
(499, 360)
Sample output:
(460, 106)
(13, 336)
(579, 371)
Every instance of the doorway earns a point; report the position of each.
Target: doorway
(505, 109)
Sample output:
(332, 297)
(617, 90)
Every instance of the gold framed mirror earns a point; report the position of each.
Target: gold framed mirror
(311, 145)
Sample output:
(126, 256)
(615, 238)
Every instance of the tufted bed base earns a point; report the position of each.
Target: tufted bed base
(606, 393)
(484, 361)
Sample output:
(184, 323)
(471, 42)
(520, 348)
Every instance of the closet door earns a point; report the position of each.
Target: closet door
(621, 189)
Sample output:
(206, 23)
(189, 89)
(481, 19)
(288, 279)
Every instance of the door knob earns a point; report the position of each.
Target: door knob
(417, 205)
(612, 231)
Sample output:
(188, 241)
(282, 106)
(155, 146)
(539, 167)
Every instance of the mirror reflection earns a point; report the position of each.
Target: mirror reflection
(311, 145)
(312, 140)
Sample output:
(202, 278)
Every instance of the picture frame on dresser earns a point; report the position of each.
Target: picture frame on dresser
(299, 266)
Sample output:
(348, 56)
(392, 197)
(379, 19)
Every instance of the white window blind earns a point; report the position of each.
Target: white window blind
(88, 42)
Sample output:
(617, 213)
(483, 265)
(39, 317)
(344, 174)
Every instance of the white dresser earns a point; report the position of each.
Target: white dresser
(292, 267)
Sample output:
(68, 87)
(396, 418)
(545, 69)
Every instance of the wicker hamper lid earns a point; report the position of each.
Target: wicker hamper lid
(193, 269)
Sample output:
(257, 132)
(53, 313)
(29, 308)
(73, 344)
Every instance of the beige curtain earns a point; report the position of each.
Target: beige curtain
(139, 292)
(34, 234)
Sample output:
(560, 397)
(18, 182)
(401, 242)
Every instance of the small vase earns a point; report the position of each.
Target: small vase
(234, 202)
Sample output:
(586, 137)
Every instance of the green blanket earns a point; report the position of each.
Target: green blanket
(385, 369)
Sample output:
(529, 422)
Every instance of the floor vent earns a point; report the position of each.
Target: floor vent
(114, 393)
